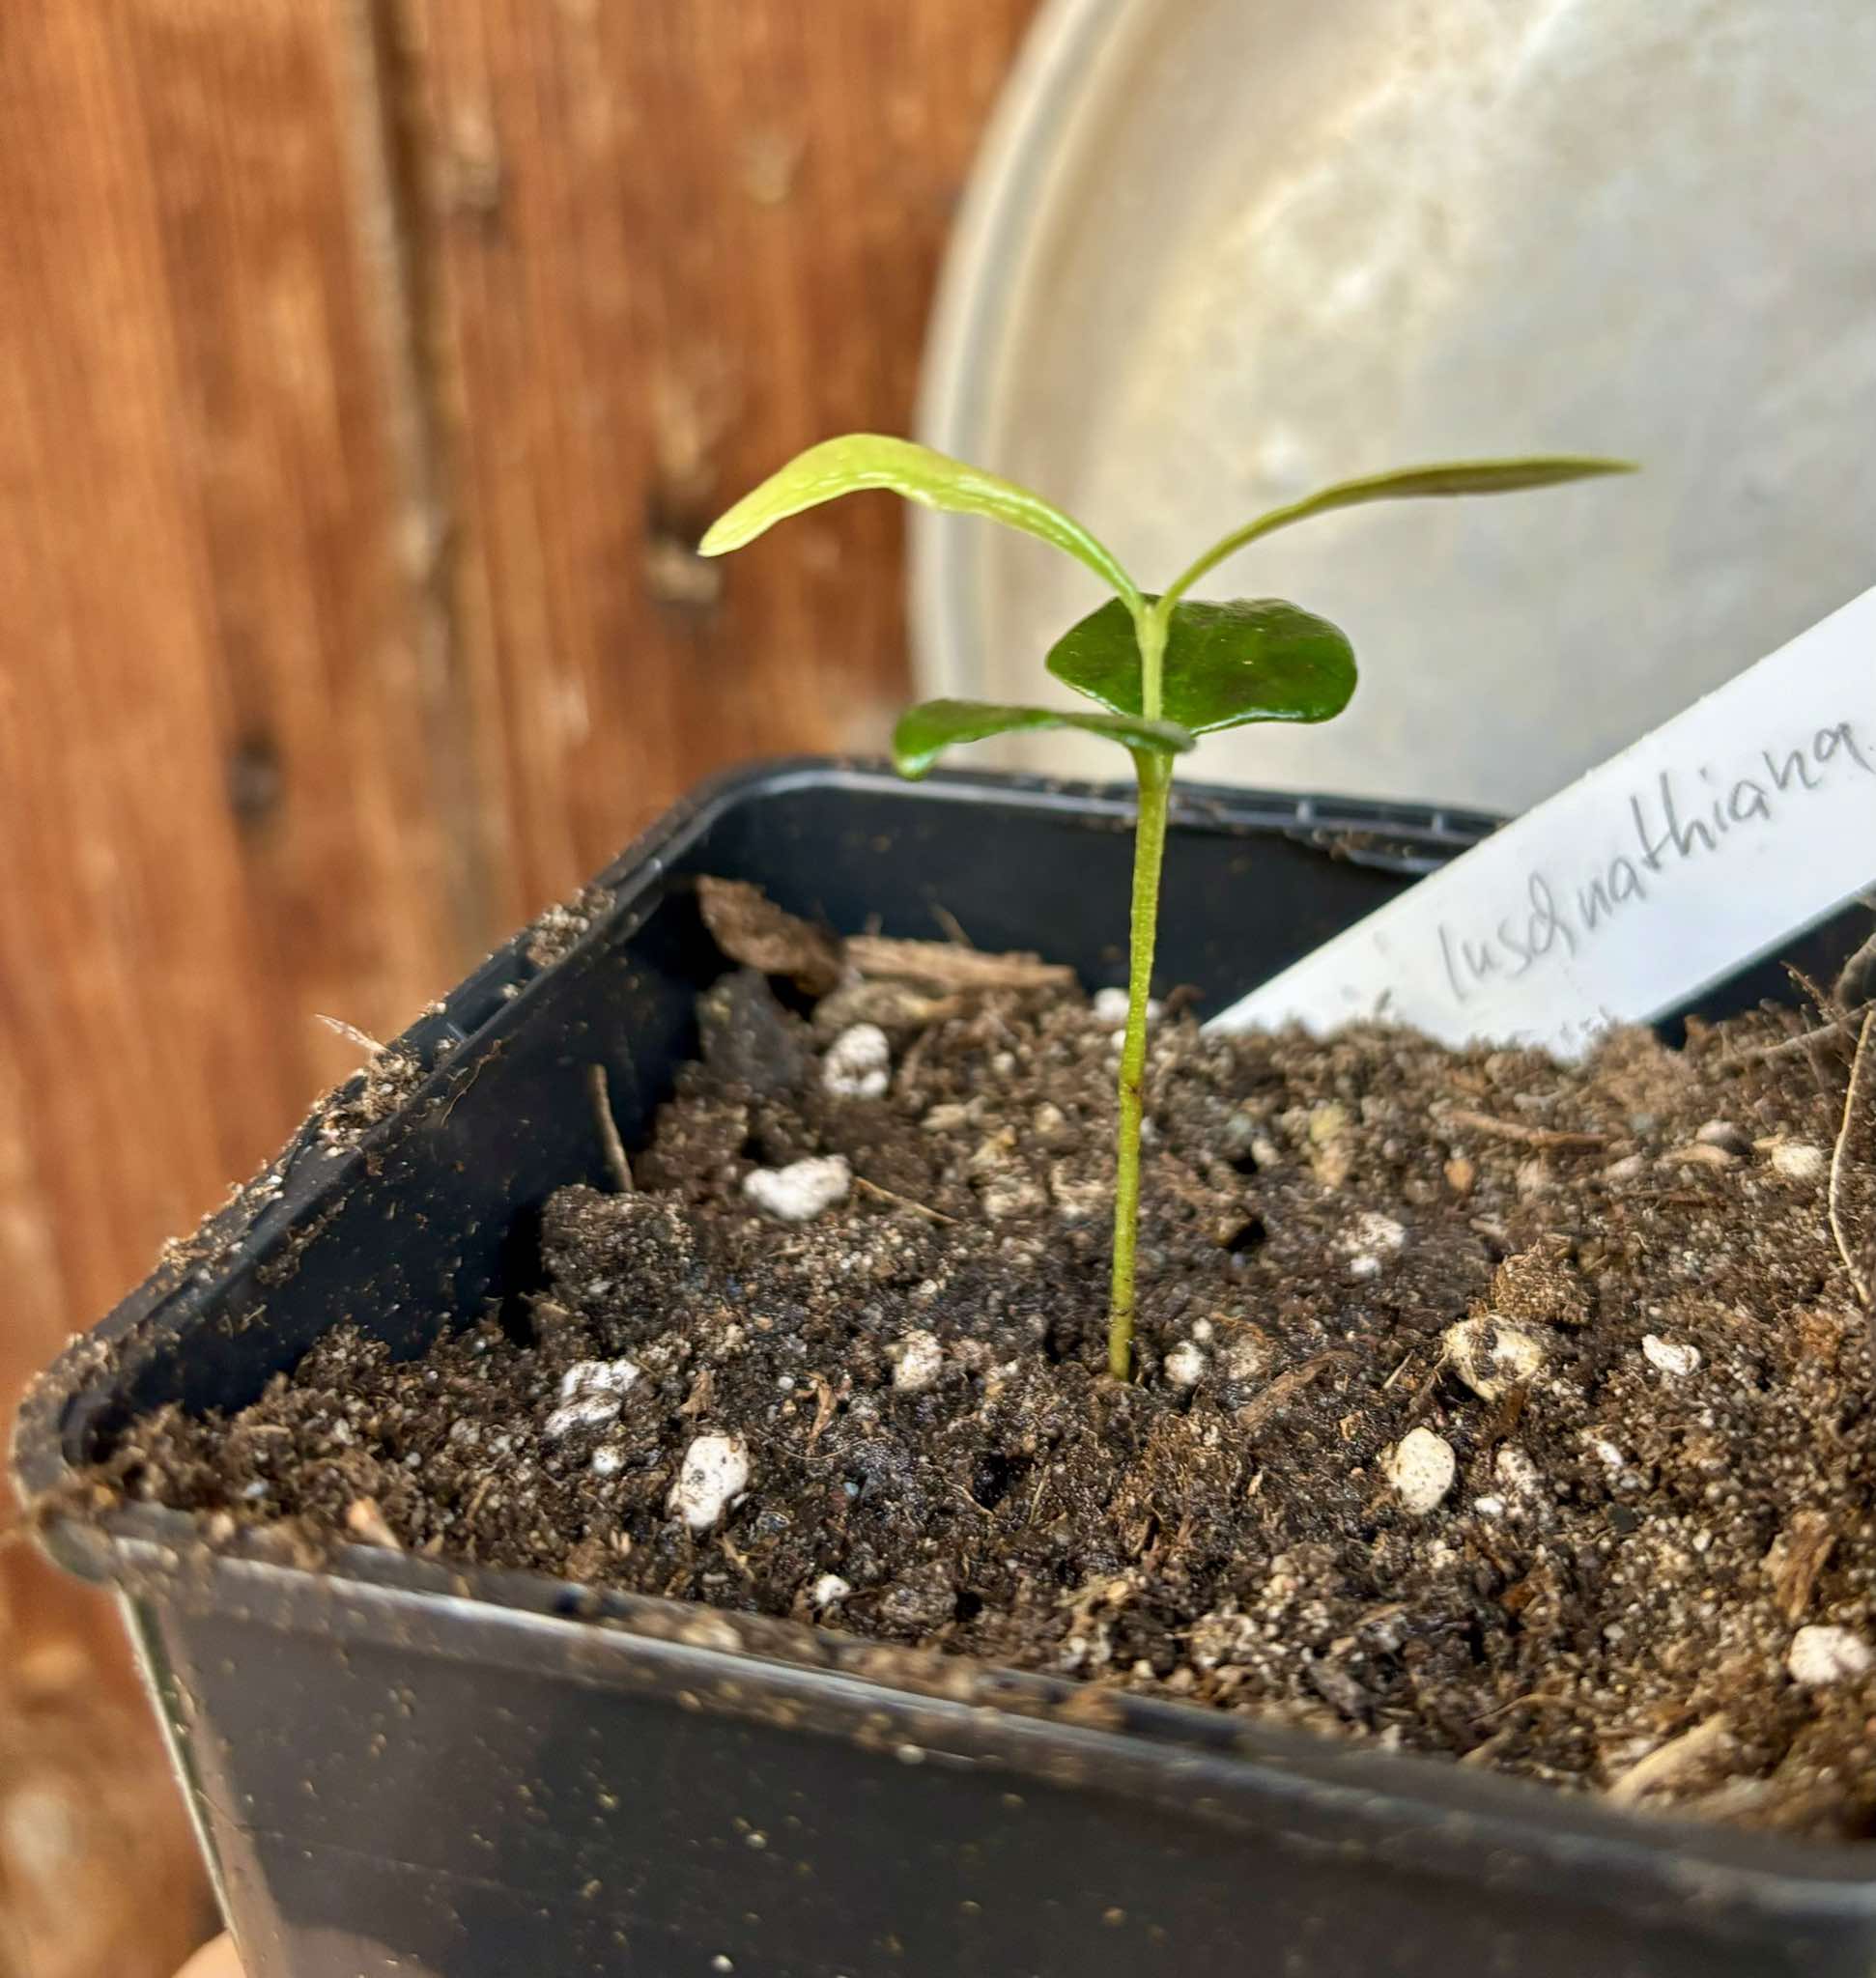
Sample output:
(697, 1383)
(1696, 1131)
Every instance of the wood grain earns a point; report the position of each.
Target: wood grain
(215, 801)
(213, 739)
(671, 245)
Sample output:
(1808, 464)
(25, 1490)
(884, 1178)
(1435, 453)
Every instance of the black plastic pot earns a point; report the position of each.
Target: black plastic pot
(400, 1769)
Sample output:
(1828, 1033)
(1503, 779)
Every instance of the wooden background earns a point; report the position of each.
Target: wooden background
(367, 369)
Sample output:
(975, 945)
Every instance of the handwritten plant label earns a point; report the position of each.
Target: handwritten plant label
(1735, 826)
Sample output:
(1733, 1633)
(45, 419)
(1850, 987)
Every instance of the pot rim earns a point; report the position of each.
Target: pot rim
(1422, 1810)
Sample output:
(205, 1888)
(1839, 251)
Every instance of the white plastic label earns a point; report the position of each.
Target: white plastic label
(1728, 830)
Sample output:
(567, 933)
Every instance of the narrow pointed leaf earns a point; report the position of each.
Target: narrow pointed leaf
(1452, 477)
(925, 731)
(858, 460)
(1466, 477)
(1252, 660)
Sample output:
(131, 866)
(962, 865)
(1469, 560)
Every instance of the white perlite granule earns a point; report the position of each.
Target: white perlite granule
(1517, 1475)
(1185, 1364)
(588, 1411)
(802, 1190)
(1247, 1355)
(1422, 1468)
(1796, 1160)
(1828, 1655)
(1493, 1356)
(598, 1376)
(714, 1470)
(1670, 1356)
(589, 1394)
(858, 1064)
(917, 1360)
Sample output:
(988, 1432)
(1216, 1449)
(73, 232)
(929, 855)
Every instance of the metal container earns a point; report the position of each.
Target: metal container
(1217, 253)
(402, 1768)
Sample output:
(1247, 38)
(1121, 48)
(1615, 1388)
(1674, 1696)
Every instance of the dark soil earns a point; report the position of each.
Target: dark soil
(1653, 1571)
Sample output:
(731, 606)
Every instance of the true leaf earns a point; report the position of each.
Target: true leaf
(1452, 477)
(858, 460)
(1252, 660)
(924, 732)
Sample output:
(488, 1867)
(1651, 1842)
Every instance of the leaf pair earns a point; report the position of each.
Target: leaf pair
(1223, 665)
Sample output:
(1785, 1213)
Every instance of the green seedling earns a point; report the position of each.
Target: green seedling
(1165, 669)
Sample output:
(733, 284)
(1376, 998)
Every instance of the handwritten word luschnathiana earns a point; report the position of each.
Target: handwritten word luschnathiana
(1680, 817)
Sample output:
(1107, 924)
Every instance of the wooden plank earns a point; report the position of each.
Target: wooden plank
(218, 809)
(669, 244)
(215, 738)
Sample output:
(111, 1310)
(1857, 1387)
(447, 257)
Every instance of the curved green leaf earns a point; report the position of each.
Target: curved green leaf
(1453, 477)
(858, 460)
(1252, 660)
(925, 731)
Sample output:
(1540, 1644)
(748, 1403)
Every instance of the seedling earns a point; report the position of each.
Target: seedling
(1166, 668)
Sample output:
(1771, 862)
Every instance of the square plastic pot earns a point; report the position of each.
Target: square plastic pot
(402, 1769)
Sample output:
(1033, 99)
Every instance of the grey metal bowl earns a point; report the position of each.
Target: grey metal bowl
(1217, 252)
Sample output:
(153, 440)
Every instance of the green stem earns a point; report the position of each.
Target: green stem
(1150, 628)
(1155, 778)
(1229, 545)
